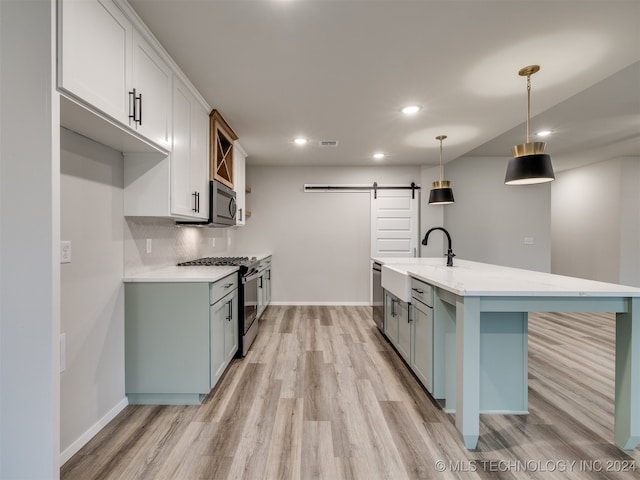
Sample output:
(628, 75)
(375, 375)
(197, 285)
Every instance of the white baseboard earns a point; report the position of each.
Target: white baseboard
(72, 449)
(311, 303)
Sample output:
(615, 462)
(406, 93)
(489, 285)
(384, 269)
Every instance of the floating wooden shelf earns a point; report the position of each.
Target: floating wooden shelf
(221, 153)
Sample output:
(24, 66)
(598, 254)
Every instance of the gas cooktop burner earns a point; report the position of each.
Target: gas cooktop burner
(220, 261)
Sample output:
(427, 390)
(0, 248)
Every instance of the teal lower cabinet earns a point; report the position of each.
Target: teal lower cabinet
(397, 324)
(422, 343)
(264, 285)
(391, 319)
(404, 330)
(179, 339)
(224, 334)
(267, 286)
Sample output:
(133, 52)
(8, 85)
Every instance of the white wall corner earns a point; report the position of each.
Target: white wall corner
(75, 447)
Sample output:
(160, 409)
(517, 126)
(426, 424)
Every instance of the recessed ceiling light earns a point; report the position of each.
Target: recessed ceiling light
(378, 155)
(544, 133)
(300, 141)
(410, 109)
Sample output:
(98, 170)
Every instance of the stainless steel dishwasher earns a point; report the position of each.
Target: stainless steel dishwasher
(377, 297)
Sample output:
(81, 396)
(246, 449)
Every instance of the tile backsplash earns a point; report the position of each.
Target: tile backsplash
(170, 244)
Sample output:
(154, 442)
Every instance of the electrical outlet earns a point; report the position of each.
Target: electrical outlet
(149, 246)
(65, 251)
(528, 240)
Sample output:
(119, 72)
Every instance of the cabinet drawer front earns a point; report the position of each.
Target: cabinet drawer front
(222, 287)
(422, 291)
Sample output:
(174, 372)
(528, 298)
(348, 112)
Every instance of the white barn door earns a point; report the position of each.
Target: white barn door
(394, 223)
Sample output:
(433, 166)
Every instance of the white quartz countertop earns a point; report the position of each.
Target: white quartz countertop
(467, 278)
(182, 274)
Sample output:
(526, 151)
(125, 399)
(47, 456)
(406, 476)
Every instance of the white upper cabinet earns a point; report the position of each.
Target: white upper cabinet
(95, 55)
(199, 164)
(183, 198)
(152, 84)
(120, 88)
(240, 183)
(175, 185)
(106, 64)
(189, 158)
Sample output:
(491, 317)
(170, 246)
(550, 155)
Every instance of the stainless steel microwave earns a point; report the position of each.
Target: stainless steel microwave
(222, 205)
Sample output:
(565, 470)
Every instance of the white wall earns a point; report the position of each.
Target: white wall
(170, 244)
(489, 220)
(630, 222)
(29, 233)
(92, 295)
(596, 222)
(320, 241)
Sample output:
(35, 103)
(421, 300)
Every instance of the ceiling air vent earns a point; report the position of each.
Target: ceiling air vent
(328, 143)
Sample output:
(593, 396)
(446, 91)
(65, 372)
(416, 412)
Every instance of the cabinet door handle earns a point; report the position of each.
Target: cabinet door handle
(268, 274)
(195, 202)
(228, 285)
(393, 308)
(240, 214)
(417, 290)
(132, 106)
(230, 311)
(260, 278)
(139, 120)
(198, 201)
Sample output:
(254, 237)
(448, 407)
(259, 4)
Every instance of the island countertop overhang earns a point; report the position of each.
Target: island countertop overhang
(468, 278)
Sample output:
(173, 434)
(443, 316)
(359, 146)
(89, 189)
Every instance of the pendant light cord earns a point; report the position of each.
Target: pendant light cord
(441, 138)
(528, 104)
(441, 167)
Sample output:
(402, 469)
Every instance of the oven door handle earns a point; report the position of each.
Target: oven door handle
(250, 277)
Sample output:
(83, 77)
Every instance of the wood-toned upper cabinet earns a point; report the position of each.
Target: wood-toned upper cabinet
(222, 149)
(95, 55)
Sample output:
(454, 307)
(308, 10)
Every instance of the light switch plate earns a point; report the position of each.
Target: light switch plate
(528, 240)
(65, 251)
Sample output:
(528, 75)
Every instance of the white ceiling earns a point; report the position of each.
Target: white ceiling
(342, 69)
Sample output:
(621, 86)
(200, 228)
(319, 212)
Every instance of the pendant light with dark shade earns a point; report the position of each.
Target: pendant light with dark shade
(441, 193)
(529, 164)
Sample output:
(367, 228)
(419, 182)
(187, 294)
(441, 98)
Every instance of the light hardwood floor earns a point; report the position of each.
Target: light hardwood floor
(323, 395)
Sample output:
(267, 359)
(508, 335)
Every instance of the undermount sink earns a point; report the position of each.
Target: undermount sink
(397, 282)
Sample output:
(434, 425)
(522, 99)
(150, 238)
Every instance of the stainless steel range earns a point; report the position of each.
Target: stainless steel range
(247, 294)
(245, 262)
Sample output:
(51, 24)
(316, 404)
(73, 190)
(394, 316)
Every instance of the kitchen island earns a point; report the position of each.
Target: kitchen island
(472, 295)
